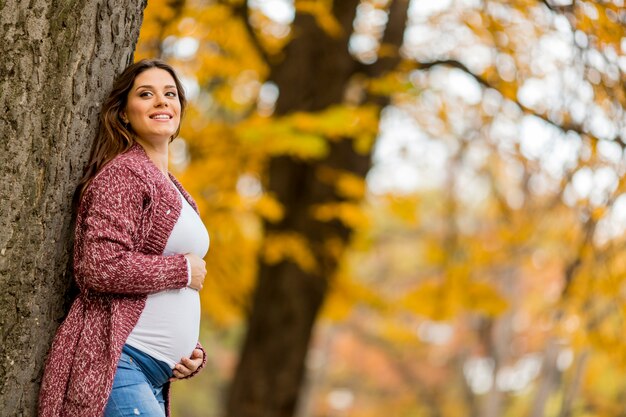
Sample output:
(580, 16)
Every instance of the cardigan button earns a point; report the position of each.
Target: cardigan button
(168, 212)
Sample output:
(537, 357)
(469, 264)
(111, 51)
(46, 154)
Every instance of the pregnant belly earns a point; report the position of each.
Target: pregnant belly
(169, 325)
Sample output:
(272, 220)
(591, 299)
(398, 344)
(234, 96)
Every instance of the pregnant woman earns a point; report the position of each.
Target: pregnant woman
(139, 244)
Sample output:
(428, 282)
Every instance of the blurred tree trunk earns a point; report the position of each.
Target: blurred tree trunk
(548, 379)
(572, 390)
(314, 75)
(59, 61)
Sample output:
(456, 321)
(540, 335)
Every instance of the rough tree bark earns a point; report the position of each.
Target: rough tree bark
(59, 61)
(313, 76)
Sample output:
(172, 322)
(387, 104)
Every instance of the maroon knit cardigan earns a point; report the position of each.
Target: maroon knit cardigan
(124, 220)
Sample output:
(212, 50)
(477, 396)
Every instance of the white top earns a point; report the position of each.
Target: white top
(169, 325)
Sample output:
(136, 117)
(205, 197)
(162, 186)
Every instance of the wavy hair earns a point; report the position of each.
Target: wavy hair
(114, 137)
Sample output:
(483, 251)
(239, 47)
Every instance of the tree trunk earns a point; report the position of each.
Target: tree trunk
(572, 390)
(59, 61)
(548, 379)
(313, 76)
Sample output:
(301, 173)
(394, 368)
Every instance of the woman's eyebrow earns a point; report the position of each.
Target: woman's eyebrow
(150, 86)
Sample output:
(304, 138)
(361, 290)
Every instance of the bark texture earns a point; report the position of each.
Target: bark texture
(314, 75)
(59, 60)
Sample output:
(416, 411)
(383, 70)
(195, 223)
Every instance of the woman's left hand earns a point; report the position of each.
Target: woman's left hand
(188, 366)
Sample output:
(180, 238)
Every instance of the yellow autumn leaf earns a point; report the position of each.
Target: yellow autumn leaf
(279, 247)
(269, 208)
(350, 214)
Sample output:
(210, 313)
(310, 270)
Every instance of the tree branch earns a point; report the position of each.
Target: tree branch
(566, 127)
(392, 39)
(243, 12)
(559, 9)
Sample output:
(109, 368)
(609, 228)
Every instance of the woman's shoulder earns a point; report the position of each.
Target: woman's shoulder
(125, 172)
(130, 163)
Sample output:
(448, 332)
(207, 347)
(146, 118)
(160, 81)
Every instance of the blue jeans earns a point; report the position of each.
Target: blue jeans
(138, 386)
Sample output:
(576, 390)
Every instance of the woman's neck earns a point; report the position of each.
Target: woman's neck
(158, 154)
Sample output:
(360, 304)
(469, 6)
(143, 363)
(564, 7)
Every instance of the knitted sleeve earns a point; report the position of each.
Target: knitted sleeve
(112, 212)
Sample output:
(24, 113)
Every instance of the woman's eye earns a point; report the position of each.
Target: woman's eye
(170, 94)
(145, 94)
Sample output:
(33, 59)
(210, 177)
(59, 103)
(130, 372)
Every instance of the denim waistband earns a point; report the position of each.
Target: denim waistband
(157, 372)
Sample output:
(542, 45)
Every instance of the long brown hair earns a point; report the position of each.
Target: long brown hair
(114, 136)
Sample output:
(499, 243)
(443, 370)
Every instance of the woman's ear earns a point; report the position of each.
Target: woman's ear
(123, 117)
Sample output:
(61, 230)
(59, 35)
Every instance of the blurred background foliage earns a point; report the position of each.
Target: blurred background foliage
(482, 272)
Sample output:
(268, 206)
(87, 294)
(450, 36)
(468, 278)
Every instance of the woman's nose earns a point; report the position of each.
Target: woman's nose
(160, 101)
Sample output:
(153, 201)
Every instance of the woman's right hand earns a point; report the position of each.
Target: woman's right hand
(198, 271)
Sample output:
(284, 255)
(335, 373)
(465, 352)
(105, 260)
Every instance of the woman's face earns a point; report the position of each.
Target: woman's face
(153, 106)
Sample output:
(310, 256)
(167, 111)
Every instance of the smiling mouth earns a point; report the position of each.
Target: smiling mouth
(161, 117)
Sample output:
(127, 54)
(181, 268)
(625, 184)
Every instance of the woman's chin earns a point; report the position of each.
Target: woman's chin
(156, 137)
